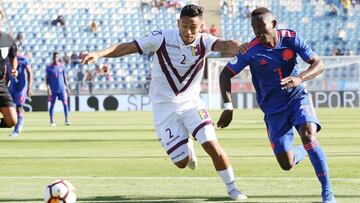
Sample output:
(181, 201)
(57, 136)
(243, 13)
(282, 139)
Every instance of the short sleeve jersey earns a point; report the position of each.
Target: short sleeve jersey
(269, 65)
(20, 82)
(177, 68)
(56, 75)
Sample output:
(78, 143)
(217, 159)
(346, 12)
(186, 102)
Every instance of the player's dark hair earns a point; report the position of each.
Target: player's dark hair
(55, 53)
(192, 10)
(260, 11)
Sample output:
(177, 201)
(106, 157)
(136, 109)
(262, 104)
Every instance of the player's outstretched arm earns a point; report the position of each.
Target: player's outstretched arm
(232, 47)
(14, 65)
(316, 67)
(114, 51)
(225, 88)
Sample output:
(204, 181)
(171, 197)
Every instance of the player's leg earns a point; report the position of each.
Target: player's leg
(64, 99)
(281, 136)
(198, 122)
(172, 134)
(52, 100)
(308, 125)
(7, 108)
(19, 98)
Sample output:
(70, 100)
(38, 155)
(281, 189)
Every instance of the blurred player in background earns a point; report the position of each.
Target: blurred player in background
(57, 87)
(19, 87)
(281, 94)
(175, 90)
(8, 49)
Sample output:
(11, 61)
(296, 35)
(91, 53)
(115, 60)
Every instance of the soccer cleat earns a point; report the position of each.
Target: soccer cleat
(52, 124)
(67, 123)
(328, 197)
(236, 194)
(14, 134)
(193, 161)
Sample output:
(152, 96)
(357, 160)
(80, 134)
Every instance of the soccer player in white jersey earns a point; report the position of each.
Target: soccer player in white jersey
(175, 90)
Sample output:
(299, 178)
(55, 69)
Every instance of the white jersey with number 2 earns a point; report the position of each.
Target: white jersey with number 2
(177, 68)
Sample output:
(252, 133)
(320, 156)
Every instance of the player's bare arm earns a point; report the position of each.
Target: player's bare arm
(29, 79)
(232, 47)
(225, 88)
(14, 65)
(48, 85)
(67, 84)
(114, 51)
(316, 67)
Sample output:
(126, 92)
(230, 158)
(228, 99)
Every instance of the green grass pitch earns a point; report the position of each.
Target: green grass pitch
(115, 157)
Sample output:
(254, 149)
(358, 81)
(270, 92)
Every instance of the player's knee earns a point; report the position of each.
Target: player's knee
(286, 165)
(308, 133)
(11, 122)
(183, 163)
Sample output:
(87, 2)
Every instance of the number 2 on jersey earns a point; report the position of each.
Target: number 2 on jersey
(279, 71)
(183, 60)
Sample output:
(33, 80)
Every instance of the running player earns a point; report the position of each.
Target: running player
(175, 90)
(281, 94)
(57, 87)
(19, 87)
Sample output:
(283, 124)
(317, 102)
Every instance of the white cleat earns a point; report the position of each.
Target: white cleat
(193, 161)
(52, 124)
(67, 123)
(235, 194)
(14, 134)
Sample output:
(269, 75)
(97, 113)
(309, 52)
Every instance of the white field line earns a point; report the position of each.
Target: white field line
(169, 178)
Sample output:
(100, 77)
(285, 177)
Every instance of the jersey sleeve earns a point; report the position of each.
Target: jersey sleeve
(150, 42)
(209, 42)
(238, 63)
(302, 48)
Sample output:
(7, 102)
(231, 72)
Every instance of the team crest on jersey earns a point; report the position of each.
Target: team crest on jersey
(4, 52)
(263, 62)
(203, 114)
(287, 54)
(196, 51)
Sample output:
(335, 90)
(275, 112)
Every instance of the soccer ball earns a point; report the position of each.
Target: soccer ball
(60, 191)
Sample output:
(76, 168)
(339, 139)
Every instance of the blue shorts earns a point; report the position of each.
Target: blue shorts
(280, 125)
(62, 96)
(19, 97)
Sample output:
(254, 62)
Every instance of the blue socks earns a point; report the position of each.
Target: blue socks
(66, 111)
(51, 112)
(318, 160)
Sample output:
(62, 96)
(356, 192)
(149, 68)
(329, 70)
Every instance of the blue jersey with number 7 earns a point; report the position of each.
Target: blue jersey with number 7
(269, 65)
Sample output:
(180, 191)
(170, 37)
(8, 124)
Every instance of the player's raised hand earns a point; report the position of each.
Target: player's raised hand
(290, 82)
(89, 58)
(225, 119)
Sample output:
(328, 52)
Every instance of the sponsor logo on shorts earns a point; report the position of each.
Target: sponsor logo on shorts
(172, 140)
(178, 155)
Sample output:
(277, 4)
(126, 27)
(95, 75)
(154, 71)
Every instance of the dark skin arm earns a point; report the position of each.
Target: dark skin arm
(316, 67)
(29, 79)
(225, 88)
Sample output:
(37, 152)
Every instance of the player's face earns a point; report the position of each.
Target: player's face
(56, 59)
(189, 28)
(264, 28)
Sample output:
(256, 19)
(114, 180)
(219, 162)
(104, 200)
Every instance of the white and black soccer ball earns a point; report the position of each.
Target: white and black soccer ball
(60, 191)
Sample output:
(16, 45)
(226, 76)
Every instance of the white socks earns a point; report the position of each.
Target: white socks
(228, 178)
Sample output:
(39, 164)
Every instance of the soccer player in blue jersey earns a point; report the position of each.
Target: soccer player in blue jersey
(18, 88)
(57, 87)
(281, 94)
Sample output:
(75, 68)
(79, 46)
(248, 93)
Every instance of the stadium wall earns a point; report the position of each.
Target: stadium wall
(142, 102)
